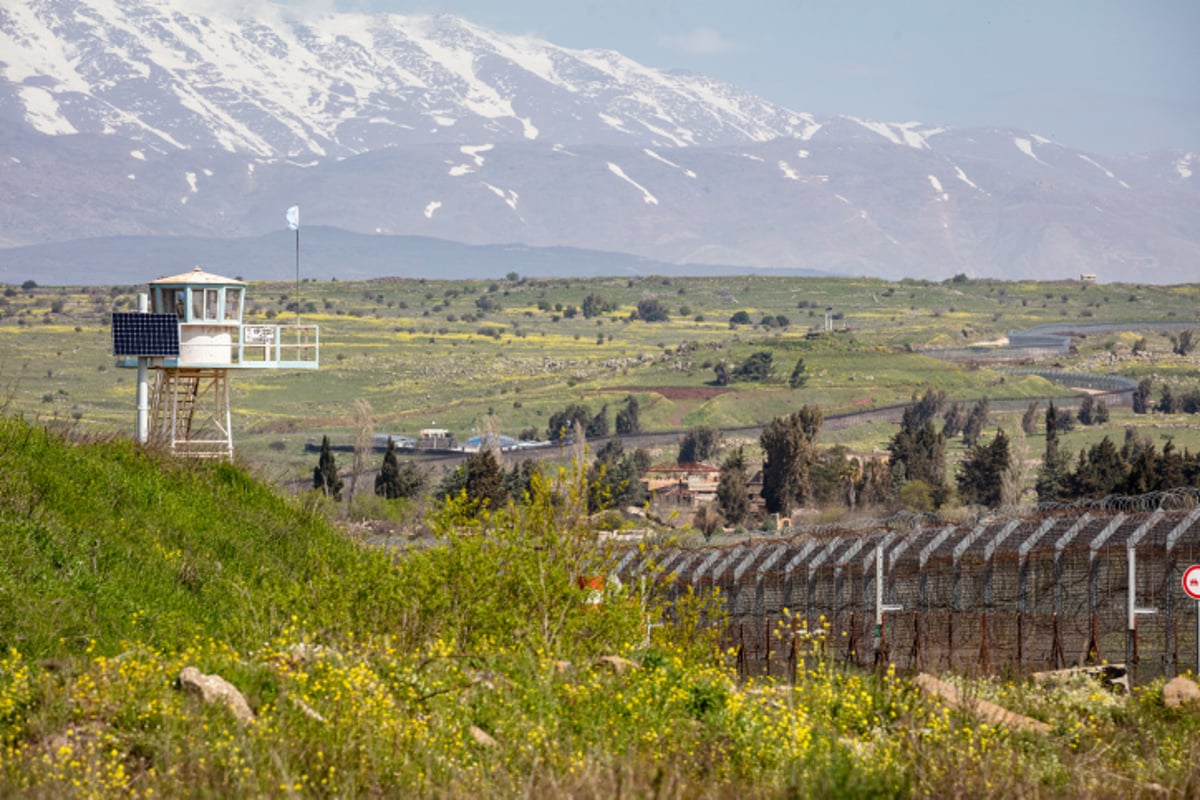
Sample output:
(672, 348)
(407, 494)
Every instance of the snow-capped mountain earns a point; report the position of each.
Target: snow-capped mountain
(143, 118)
(272, 84)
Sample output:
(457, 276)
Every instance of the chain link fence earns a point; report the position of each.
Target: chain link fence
(1043, 342)
(1044, 590)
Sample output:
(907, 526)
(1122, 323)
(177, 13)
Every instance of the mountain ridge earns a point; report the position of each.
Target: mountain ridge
(327, 253)
(133, 118)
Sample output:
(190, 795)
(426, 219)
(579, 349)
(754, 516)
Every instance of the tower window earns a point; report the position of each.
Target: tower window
(204, 304)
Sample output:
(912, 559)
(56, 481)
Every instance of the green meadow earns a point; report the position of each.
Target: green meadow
(505, 354)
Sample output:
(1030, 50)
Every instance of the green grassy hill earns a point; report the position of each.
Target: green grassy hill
(477, 667)
(102, 543)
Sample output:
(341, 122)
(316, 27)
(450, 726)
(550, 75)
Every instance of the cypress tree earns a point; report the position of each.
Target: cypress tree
(598, 427)
(1029, 419)
(388, 480)
(918, 451)
(732, 496)
(788, 444)
(799, 375)
(975, 423)
(1141, 396)
(1100, 470)
(980, 474)
(484, 478)
(394, 480)
(325, 474)
(627, 418)
(1053, 476)
(1166, 401)
(1143, 473)
(699, 444)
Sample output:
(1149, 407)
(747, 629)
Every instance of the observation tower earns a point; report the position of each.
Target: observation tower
(189, 332)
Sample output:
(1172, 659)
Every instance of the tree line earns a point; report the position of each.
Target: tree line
(797, 472)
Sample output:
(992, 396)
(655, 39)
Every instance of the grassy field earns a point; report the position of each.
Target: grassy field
(364, 676)
(508, 353)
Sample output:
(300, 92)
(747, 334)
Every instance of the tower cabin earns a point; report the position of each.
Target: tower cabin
(191, 335)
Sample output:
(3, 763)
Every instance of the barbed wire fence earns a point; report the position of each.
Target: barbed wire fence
(1063, 585)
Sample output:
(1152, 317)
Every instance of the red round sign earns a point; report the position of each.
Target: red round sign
(1191, 581)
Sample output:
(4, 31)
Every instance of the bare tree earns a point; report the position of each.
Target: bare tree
(708, 520)
(490, 436)
(363, 431)
(1012, 479)
(1182, 344)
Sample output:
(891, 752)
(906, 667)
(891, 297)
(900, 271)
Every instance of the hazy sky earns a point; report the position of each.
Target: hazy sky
(1108, 76)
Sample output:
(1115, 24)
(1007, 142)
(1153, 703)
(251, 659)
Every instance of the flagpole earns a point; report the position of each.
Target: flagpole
(297, 274)
(292, 217)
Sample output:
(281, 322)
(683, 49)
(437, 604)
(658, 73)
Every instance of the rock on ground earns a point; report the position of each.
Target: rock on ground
(215, 689)
(1179, 692)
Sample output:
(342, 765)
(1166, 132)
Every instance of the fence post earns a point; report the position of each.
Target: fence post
(1134, 611)
(1056, 650)
(985, 652)
(915, 656)
(950, 640)
(767, 635)
(1020, 641)
(882, 654)
(1093, 647)
(1131, 613)
(741, 652)
(793, 655)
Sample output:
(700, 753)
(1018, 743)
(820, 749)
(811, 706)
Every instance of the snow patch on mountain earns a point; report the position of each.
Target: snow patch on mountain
(431, 207)
(613, 122)
(914, 137)
(647, 198)
(1184, 165)
(962, 176)
(479, 97)
(507, 195)
(1026, 147)
(43, 113)
(788, 172)
(473, 151)
(33, 51)
(1103, 169)
(679, 138)
(908, 134)
(937, 187)
(668, 162)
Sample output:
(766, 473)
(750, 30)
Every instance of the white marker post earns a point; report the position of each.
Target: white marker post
(1191, 587)
(880, 606)
(1132, 608)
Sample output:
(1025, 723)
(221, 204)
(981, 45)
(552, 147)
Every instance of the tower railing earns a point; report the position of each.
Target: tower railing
(286, 346)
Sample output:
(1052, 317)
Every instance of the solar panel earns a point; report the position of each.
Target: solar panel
(137, 334)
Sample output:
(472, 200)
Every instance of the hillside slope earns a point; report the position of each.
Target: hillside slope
(102, 542)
